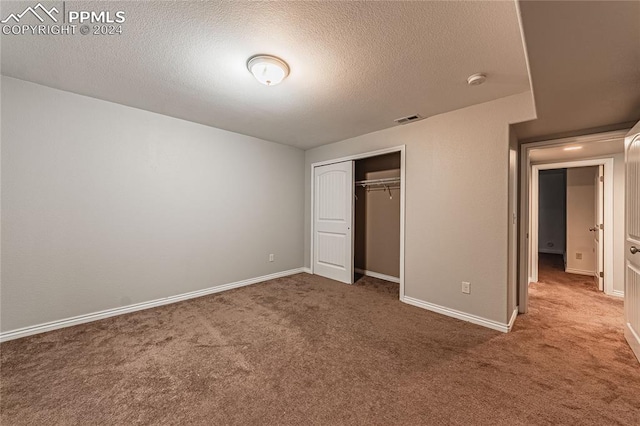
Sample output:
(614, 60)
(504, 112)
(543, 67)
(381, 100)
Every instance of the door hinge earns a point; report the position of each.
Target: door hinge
(601, 274)
(601, 178)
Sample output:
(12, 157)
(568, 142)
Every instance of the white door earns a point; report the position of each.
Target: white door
(632, 244)
(333, 221)
(599, 228)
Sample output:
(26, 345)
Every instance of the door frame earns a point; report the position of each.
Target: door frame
(401, 150)
(608, 214)
(599, 213)
(525, 202)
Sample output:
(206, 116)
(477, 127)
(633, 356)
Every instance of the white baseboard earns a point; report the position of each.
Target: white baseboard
(579, 272)
(617, 293)
(633, 339)
(378, 275)
(307, 270)
(95, 316)
(495, 325)
(512, 320)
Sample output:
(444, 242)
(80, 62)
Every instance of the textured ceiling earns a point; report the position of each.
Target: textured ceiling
(584, 58)
(355, 66)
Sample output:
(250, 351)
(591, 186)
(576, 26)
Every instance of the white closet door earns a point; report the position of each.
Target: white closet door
(632, 276)
(333, 221)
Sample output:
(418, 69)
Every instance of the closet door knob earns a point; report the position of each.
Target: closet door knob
(634, 249)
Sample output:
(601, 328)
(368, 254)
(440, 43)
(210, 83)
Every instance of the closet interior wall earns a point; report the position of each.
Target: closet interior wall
(377, 217)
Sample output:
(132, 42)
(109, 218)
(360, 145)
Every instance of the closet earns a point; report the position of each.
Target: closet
(356, 218)
(377, 217)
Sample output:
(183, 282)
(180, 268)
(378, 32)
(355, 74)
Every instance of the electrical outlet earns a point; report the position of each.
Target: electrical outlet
(271, 257)
(466, 287)
(579, 256)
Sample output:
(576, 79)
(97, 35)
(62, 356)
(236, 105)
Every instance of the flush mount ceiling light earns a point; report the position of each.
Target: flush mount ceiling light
(268, 70)
(476, 79)
(572, 148)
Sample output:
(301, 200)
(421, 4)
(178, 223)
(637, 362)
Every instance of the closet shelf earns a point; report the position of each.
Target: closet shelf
(376, 182)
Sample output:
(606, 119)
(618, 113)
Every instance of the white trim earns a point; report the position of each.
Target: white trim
(512, 320)
(359, 156)
(633, 339)
(524, 279)
(495, 325)
(378, 275)
(307, 270)
(607, 162)
(403, 187)
(402, 150)
(580, 272)
(95, 316)
(533, 233)
(617, 293)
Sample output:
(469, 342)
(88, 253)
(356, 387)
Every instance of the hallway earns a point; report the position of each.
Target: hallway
(551, 271)
(569, 317)
(561, 299)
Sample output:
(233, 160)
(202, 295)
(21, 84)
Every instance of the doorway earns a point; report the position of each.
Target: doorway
(606, 149)
(354, 204)
(552, 214)
(377, 217)
(571, 223)
(588, 208)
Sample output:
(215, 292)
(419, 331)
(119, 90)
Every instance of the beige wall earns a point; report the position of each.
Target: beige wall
(580, 217)
(457, 215)
(377, 224)
(105, 205)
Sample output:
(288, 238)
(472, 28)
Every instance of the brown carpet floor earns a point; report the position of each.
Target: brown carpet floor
(307, 350)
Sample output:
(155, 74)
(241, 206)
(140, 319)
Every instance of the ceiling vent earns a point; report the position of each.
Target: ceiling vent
(408, 119)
